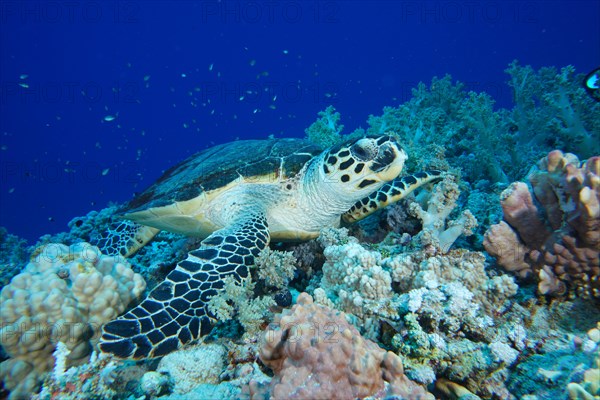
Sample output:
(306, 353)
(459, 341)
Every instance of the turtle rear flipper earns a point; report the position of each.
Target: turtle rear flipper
(389, 193)
(176, 311)
(124, 238)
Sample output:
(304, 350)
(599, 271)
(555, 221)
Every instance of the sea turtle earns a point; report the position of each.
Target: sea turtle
(239, 196)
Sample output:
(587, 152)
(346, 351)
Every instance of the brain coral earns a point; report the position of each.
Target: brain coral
(559, 243)
(64, 294)
(316, 354)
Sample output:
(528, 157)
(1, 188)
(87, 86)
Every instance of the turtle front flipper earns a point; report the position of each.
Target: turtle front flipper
(124, 238)
(389, 193)
(176, 311)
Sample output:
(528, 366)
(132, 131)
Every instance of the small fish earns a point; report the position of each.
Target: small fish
(105, 171)
(24, 85)
(23, 76)
(109, 118)
(591, 83)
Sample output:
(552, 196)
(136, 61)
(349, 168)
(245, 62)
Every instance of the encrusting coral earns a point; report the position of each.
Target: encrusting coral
(193, 366)
(64, 294)
(316, 353)
(559, 244)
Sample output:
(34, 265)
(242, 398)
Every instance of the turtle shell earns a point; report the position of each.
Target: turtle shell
(209, 170)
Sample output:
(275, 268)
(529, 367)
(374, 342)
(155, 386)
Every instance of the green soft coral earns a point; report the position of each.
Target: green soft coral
(552, 109)
(326, 131)
(444, 124)
(236, 299)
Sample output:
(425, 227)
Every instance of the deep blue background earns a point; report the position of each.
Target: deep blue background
(288, 59)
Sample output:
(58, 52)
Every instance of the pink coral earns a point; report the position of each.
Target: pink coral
(316, 354)
(560, 244)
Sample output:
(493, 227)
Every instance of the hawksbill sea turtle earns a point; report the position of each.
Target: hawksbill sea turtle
(238, 196)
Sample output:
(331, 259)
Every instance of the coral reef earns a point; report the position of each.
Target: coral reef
(64, 294)
(355, 282)
(315, 353)
(453, 319)
(559, 244)
(99, 379)
(551, 108)
(445, 124)
(406, 279)
(13, 254)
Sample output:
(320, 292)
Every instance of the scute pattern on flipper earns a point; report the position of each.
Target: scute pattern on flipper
(176, 311)
(389, 193)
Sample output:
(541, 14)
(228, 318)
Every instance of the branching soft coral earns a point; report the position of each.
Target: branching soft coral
(552, 105)
(326, 131)
(561, 246)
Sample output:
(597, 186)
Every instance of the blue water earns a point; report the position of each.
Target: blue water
(97, 98)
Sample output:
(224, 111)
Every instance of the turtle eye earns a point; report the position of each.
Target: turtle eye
(359, 152)
(363, 150)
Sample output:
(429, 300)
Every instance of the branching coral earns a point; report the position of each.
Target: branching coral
(315, 353)
(561, 245)
(64, 294)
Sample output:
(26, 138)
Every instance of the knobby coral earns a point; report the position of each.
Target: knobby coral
(316, 353)
(64, 294)
(559, 243)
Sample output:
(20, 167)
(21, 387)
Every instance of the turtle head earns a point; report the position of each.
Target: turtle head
(359, 167)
